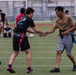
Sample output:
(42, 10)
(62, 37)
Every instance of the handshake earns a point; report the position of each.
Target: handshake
(42, 33)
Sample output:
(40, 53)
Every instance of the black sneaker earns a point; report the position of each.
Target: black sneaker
(57, 70)
(30, 71)
(11, 70)
(74, 68)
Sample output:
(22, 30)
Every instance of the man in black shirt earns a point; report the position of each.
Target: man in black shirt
(20, 39)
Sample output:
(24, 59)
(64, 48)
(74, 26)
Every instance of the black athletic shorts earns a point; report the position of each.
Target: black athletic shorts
(24, 45)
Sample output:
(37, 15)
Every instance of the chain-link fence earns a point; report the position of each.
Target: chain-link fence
(11, 8)
(45, 12)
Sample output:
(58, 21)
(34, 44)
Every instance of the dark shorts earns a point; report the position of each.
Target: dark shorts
(24, 45)
(7, 35)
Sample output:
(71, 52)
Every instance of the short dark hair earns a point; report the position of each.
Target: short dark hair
(29, 10)
(0, 10)
(60, 8)
(66, 11)
(22, 10)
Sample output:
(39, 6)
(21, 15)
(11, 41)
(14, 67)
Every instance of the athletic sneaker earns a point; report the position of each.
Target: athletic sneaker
(57, 70)
(11, 70)
(30, 71)
(74, 68)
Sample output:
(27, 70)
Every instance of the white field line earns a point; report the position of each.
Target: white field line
(35, 57)
(39, 51)
(49, 46)
(40, 66)
(32, 52)
(32, 43)
(31, 40)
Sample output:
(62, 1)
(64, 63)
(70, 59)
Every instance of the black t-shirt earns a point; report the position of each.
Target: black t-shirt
(27, 22)
(7, 29)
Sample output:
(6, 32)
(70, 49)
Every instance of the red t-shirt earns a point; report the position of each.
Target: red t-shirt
(18, 17)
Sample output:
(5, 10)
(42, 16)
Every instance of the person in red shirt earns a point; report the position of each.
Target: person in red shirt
(22, 13)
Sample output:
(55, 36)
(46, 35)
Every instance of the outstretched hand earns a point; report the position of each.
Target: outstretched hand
(43, 33)
(40, 34)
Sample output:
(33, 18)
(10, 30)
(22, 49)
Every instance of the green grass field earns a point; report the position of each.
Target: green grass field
(43, 56)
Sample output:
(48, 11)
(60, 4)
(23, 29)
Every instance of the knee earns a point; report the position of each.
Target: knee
(68, 55)
(28, 55)
(16, 54)
(28, 51)
(59, 52)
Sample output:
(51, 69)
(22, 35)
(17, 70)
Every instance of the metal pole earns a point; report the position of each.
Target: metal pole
(13, 10)
(43, 9)
(26, 3)
(56, 2)
(71, 7)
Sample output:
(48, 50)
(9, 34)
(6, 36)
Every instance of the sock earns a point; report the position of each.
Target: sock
(29, 68)
(9, 66)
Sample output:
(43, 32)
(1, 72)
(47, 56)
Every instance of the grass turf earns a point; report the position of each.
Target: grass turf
(43, 56)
